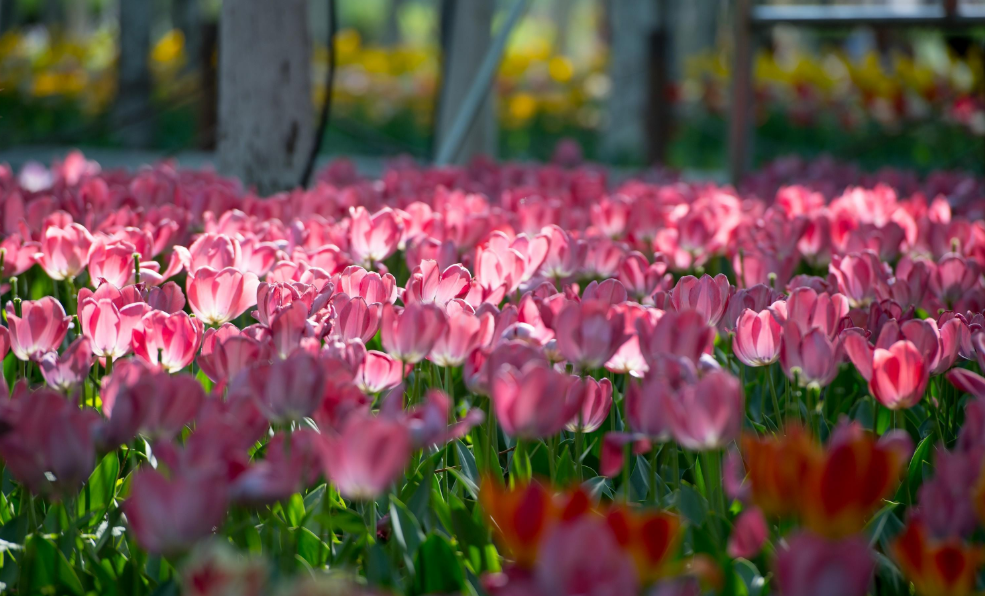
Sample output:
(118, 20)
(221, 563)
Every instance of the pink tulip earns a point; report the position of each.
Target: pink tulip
(708, 414)
(4, 342)
(40, 328)
(18, 255)
(610, 291)
(815, 566)
(642, 279)
(64, 250)
(367, 456)
(811, 358)
(685, 335)
(378, 372)
(861, 277)
(583, 557)
(169, 515)
(358, 320)
(589, 333)
(167, 297)
(111, 263)
(533, 402)
(216, 251)
(170, 341)
(71, 368)
(272, 297)
(285, 390)
(373, 238)
(757, 299)
(464, 333)
(602, 257)
(289, 465)
(749, 533)
(355, 281)
(428, 422)
(648, 407)
(154, 404)
(596, 400)
(899, 375)
(48, 444)
(219, 296)
(757, 338)
(807, 309)
(410, 334)
(945, 506)
(288, 327)
(430, 286)
(108, 328)
(565, 255)
(953, 280)
(226, 351)
(708, 296)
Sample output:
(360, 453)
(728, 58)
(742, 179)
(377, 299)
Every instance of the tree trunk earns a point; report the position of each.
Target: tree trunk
(631, 23)
(265, 112)
(469, 36)
(133, 119)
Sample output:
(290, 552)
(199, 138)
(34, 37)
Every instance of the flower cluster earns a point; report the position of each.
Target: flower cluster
(517, 377)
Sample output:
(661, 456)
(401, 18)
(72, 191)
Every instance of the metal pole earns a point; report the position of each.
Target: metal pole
(480, 87)
(741, 112)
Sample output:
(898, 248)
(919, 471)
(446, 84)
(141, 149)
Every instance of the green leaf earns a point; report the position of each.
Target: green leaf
(566, 471)
(692, 505)
(472, 487)
(752, 579)
(639, 480)
(599, 485)
(884, 526)
(100, 490)
(914, 473)
(204, 381)
(438, 569)
(294, 510)
(342, 520)
(50, 572)
(378, 570)
(467, 460)
(406, 530)
(310, 547)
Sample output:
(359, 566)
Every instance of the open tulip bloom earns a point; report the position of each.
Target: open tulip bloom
(500, 379)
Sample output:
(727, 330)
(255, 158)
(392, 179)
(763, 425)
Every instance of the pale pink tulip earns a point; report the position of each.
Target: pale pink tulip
(170, 341)
(368, 455)
(373, 238)
(40, 328)
(71, 368)
(814, 566)
(219, 296)
(355, 281)
(378, 372)
(410, 334)
(464, 333)
(707, 296)
(111, 263)
(228, 350)
(589, 333)
(596, 401)
(64, 250)
(430, 286)
(108, 328)
(757, 338)
(533, 402)
(358, 320)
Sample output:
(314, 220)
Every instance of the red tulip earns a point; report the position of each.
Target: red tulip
(373, 238)
(64, 250)
(708, 296)
(464, 333)
(40, 328)
(757, 338)
(589, 333)
(708, 414)
(948, 567)
(285, 390)
(367, 456)
(108, 328)
(596, 400)
(48, 442)
(219, 296)
(410, 335)
(814, 566)
(170, 341)
(71, 368)
(533, 402)
(169, 515)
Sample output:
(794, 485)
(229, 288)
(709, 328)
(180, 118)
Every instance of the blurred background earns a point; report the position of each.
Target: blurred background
(142, 74)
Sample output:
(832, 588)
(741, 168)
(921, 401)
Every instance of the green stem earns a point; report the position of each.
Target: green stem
(777, 413)
(655, 495)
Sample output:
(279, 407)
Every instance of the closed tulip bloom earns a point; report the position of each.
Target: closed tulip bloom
(589, 333)
(648, 407)
(40, 328)
(367, 456)
(583, 557)
(464, 333)
(708, 414)
(757, 298)
(64, 250)
(272, 297)
(861, 277)
(565, 254)
(219, 296)
(109, 328)
(708, 296)
(596, 400)
(154, 404)
(169, 515)
(112, 263)
(285, 390)
(358, 320)
(169, 341)
(431, 286)
(749, 533)
(808, 309)
(533, 402)
(815, 566)
(71, 368)
(676, 335)
(226, 351)
(370, 285)
(288, 327)
(897, 374)
(373, 238)
(947, 567)
(410, 335)
(379, 371)
(757, 338)
(811, 358)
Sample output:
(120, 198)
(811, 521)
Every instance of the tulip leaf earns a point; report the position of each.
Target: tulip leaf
(310, 547)
(752, 579)
(294, 510)
(884, 526)
(598, 485)
(100, 490)
(914, 473)
(438, 569)
(639, 480)
(692, 505)
(47, 570)
(467, 461)
(342, 520)
(378, 568)
(565, 474)
(406, 530)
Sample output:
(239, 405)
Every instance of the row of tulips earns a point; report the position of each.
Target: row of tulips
(500, 379)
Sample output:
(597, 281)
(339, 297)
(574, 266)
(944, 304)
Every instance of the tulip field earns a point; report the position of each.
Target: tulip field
(501, 379)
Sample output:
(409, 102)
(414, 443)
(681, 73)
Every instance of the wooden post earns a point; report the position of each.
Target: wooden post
(266, 117)
(741, 109)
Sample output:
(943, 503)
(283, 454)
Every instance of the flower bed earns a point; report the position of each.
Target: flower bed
(503, 379)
